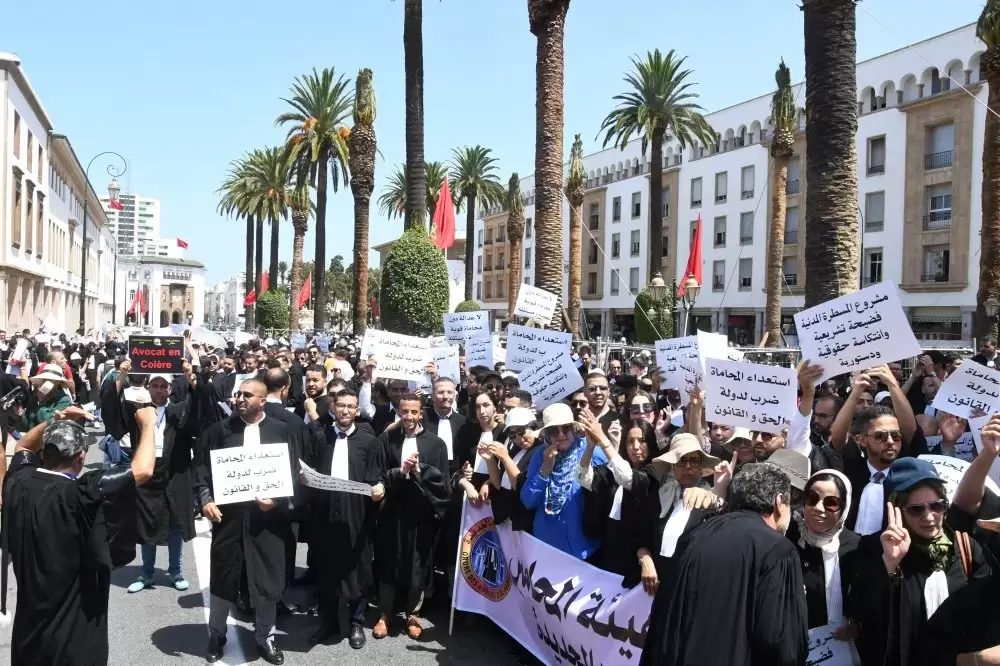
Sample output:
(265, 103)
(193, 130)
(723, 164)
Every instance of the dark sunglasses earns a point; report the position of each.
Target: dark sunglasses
(830, 503)
(764, 436)
(516, 431)
(641, 408)
(937, 507)
(882, 436)
(580, 404)
(244, 394)
(564, 429)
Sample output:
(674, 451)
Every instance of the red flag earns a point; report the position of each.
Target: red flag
(116, 205)
(181, 243)
(374, 307)
(694, 259)
(306, 291)
(444, 218)
(263, 282)
(136, 302)
(251, 298)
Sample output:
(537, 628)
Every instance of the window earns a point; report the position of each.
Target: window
(720, 232)
(874, 211)
(29, 217)
(527, 228)
(592, 253)
(500, 285)
(527, 279)
(793, 185)
(616, 245)
(489, 262)
(616, 279)
(746, 178)
(746, 274)
(16, 213)
(940, 146)
(938, 207)
(694, 229)
(936, 263)
(500, 262)
(665, 202)
(695, 192)
(17, 135)
(634, 239)
(636, 204)
(721, 184)
(790, 269)
(40, 181)
(718, 275)
(595, 217)
(873, 266)
(591, 283)
(746, 228)
(489, 236)
(616, 209)
(876, 155)
(479, 264)
(527, 257)
(31, 150)
(792, 225)
(633, 281)
(665, 246)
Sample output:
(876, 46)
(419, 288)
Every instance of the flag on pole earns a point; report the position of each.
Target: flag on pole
(305, 291)
(114, 204)
(181, 243)
(251, 298)
(263, 282)
(444, 218)
(693, 268)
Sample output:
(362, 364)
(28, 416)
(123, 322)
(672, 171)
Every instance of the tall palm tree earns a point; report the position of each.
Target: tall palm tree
(474, 178)
(317, 142)
(362, 143)
(300, 205)
(392, 201)
(547, 20)
(574, 192)
(271, 174)
(233, 200)
(515, 234)
(659, 103)
(988, 30)
(283, 272)
(831, 227)
(413, 58)
(784, 114)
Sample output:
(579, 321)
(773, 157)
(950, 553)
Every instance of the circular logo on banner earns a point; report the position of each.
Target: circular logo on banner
(483, 564)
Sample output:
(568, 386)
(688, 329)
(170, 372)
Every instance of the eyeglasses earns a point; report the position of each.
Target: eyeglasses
(517, 431)
(564, 429)
(830, 503)
(765, 437)
(937, 507)
(580, 404)
(341, 405)
(595, 389)
(882, 436)
(641, 408)
(246, 395)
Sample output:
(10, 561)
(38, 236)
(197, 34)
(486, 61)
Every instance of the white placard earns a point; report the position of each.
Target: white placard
(446, 359)
(759, 397)
(479, 351)
(677, 359)
(240, 379)
(297, 341)
(857, 331)
(552, 379)
(397, 356)
(499, 353)
(535, 303)
(528, 346)
(461, 326)
(824, 648)
(951, 471)
(243, 474)
(314, 479)
(971, 387)
(976, 425)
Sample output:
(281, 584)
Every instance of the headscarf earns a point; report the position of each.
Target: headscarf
(827, 541)
(562, 481)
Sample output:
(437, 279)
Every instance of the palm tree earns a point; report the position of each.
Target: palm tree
(362, 145)
(271, 174)
(831, 227)
(317, 143)
(784, 113)
(659, 103)
(515, 234)
(474, 178)
(392, 201)
(413, 57)
(988, 31)
(574, 192)
(283, 272)
(301, 206)
(233, 200)
(547, 20)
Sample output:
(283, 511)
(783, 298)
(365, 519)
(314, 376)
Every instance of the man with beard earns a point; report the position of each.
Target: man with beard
(598, 393)
(415, 492)
(224, 383)
(316, 401)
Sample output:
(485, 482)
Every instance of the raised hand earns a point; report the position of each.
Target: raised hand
(895, 539)
(809, 374)
(952, 427)
(991, 436)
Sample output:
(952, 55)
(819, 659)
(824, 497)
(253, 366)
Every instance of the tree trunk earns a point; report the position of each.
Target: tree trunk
(831, 224)
(413, 53)
(989, 256)
(514, 277)
(298, 244)
(575, 263)
(258, 266)
(362, 205)
(248, 277)
(655, 230)
(548, 22)
(470, 231)
(319, 256)
(776, 252)
(272, 269)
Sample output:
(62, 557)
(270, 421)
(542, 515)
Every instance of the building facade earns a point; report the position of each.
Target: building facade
(224, 305)
(46, 208)
(173, 291)
(919, 144)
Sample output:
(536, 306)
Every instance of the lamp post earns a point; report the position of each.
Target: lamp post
(113, 190)
(992, 308)
(691, 292)
(657, 289)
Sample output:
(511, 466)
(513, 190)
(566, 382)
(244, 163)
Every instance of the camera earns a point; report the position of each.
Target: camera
(15, 397)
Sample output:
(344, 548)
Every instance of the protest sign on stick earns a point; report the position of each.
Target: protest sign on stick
(535, 303)
(972, 387)
(759, 397)
(552, 379)
(461, 326)
(397, 356)
(243, 474)
(156, 354)
(528, 346)
(479, 351)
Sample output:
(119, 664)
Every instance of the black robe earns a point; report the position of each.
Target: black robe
(814, 575)
(412, 512)
(506, 502)
(737, 599)
(167, 498)
(249, 542)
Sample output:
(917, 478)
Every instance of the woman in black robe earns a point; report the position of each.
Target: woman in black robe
(508, 461)
(471, 443)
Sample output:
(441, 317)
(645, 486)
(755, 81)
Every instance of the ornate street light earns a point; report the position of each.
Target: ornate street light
(113, 191)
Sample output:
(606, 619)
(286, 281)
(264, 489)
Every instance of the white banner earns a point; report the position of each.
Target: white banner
(479, 351)
(460, 326)
(243, 474)
(759, 397)
(325, 482)
(397, 356)
(951, 471)
(824, 648)
(971, 387)
(549, 381)
(535, 303)
(528, 346)
(561, 609)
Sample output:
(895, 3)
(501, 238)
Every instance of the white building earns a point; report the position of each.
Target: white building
(174, 291)
(46, 206)
(163, 247)
(137, 225)
(919, 140)
(224, 305)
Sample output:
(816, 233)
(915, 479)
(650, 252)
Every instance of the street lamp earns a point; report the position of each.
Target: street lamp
(113, 191)
(657, 291)
(691, 292)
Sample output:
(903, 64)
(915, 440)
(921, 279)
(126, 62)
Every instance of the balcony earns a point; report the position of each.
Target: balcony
(746, 284)
(665, 210)
(791, 279)
(718, 282)
(938, 160)
(488, 241)
(791, 236)
(721, 198)
(792, 187)
(874, 225)
(747, 194)
(937, 219)
(746, 239)
(876, 169)
(695, 203)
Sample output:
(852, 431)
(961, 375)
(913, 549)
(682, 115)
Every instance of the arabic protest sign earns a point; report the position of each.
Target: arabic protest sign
(243, 474)
(535, 303)
(323, 342)
(153, 354)
(314, 479)
(951, 471)
(971, 387)
(479, 351)
(759, 397)
(563, 610)
(682, 361)
(965, 447)
(446, 359)
(397, 356)
(499, 352)
(460, 326)
(824, 648)
(976, 425)
(552, 379)
(856, 331)
(528, 346)
(240, 379)
(298, 341)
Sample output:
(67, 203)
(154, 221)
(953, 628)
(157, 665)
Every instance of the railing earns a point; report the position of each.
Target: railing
(695, 203)
(791, 236)
(792, 187)
(934, 277)
(746, 283)
(874, 225)
(718, 283)
(746, 239)
(937, 219)
(721, 198)
(791, 279)
(747, 194)
(938, 160)
(874, 169)
(720, 239)
(665, 210)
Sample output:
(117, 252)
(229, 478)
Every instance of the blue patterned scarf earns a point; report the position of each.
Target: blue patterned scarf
(562, 481)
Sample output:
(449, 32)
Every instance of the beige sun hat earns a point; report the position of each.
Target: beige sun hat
(681, 445)
(50, 373)
(558, 414)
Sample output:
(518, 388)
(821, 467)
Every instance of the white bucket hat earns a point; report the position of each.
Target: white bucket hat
(558, 414)
(681, 445)
(50, 373)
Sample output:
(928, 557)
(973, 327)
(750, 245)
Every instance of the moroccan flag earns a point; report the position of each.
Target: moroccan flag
(250, 299)
(181, 243)
(444, 218)
(306, 291)
(116, 205)
(374, 307)
(136, 302)
(694, 259)
(263, 282)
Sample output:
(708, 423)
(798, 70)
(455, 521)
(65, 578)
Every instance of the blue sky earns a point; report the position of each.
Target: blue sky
(181, 88)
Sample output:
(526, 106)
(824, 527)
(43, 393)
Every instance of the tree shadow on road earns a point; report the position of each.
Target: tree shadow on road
(192, 639)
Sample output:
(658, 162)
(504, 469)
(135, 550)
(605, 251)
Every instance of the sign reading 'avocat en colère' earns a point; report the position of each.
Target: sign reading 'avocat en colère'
(152, 354)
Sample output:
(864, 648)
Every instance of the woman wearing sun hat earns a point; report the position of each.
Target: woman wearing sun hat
(508, 461)
(49, 396)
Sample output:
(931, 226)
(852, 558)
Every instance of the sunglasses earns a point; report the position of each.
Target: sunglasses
(763, 436)
(642, 408)
(883, 436)
(830, 503)
(565, 429)
(516, 431)
(580, 404)
(244, 394)
(691, 462)
(937, 507)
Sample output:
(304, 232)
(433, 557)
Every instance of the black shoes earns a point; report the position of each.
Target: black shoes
(270, 653)
(357, 639)
(216, 644)
(327, 630)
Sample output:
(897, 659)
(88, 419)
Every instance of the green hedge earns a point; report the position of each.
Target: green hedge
(415, 285)
(468, 306)
(664, 321)
(272, 310)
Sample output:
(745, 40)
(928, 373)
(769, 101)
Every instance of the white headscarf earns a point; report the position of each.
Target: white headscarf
(828, 541)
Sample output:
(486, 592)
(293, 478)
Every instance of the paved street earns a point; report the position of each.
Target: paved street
(162, 626)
